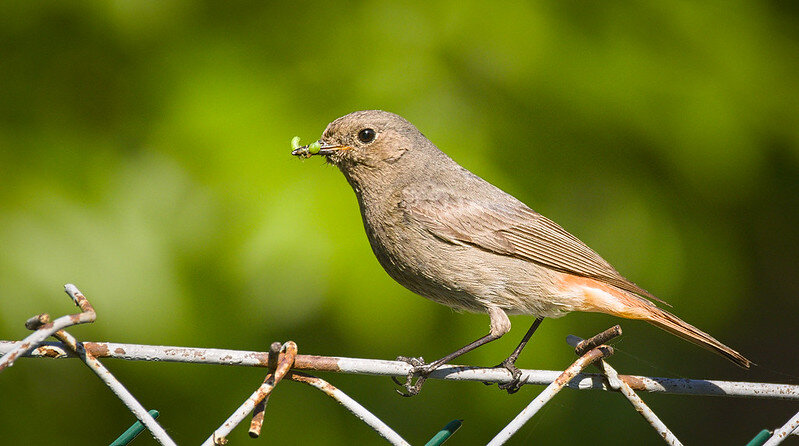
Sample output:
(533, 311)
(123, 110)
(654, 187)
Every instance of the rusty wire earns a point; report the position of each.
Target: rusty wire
(117, 387)
(542, 398)
(364, 366)
(617, 384)
(783, 432)
(45, 329)
(284, 362)
(256, 403)
(353, 406)
(284, 358)
(639, 405)
(583, 345)
(260, 408)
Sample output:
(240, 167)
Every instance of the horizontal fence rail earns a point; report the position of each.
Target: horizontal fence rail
(360, 366)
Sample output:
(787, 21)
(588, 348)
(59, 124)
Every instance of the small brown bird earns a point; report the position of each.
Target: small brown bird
(452, 237)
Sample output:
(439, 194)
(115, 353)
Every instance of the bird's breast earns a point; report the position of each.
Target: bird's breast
(416, 259)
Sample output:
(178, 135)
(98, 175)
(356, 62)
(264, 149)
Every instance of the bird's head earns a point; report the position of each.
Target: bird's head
(370, 143)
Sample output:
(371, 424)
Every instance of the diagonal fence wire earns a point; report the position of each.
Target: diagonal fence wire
(285, 359)
(617, 384)
(548, 393)
(281, 359)
(117, 387)
(783, 432)
(353, 406)
(43, 329)
(590, 351)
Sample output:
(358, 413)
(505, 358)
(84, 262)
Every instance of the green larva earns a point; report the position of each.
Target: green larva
(311, 149)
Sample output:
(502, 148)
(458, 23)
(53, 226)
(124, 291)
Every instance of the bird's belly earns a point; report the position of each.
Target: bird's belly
(470, 279)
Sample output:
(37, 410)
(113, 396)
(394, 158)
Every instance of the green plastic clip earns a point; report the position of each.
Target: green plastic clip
(133, 431)
(760, 438)
(445, 433)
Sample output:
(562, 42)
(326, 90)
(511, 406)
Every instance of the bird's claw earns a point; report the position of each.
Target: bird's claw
(516, 382)
(419, 370)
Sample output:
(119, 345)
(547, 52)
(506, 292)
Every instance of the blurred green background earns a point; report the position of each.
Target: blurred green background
(144, 156)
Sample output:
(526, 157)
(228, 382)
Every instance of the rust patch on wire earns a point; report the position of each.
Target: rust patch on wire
(313, 362)
(634, 382)
(96, 349)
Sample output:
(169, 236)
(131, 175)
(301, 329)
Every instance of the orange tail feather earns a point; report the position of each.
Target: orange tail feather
(603, 298)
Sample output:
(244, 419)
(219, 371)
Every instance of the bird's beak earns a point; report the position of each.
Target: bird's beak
(318, 148)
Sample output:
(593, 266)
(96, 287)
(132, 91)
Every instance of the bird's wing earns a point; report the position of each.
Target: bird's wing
(512, 229)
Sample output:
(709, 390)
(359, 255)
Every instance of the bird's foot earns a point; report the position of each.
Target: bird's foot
(516, 382)
(420, 371)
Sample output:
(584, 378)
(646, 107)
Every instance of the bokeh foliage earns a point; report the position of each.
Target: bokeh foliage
(144, 157)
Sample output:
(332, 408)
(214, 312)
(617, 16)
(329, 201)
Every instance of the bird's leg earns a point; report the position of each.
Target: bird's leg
(510, 362)
(500, 324)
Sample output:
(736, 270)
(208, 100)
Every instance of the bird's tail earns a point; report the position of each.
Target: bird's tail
(676, 326)
(631, 306)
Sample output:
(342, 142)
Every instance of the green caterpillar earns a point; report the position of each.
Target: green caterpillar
(311, 149)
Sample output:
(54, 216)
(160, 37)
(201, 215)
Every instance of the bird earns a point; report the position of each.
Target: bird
(452, 237)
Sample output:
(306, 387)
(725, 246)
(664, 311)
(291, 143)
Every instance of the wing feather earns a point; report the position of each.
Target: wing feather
(513, 229)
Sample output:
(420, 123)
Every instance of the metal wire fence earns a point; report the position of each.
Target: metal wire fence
(284, 363)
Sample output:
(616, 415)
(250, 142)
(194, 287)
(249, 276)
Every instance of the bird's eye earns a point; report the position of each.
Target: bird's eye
(366, 135)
